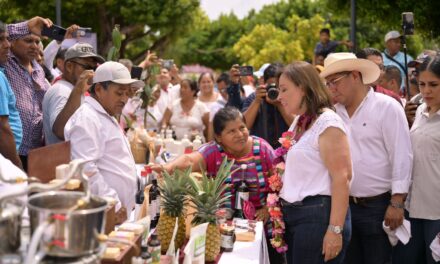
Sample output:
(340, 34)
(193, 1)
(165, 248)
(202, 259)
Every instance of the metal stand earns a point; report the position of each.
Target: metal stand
(406, 64)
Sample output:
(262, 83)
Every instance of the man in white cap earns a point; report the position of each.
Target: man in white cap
(66, 95)
(381, 154)
(95, 135)
(393, 56)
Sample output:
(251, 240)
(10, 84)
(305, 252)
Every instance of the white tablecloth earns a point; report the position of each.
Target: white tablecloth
(248, 252)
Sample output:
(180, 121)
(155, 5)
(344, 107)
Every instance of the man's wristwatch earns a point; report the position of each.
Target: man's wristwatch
(335, 229)
(397, 205)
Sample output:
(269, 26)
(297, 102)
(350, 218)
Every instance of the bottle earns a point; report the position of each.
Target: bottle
(154, 248)
(168, 142)
(173, 133)
(139, 197)
(197, 143)
(150, 174)
(156, 188)
(146, 256)
(186, 144)
(152, 205)
(241, 194)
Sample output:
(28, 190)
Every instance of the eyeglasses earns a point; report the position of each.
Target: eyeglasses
(333, 83)
(85, 66)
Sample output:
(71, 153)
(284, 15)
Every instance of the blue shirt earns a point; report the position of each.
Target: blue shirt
(400, 57)
(326, 49)
(8, 108)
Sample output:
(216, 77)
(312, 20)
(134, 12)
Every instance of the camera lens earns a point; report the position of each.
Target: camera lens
(272, 91)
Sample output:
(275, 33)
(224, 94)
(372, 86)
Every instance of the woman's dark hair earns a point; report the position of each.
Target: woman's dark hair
(192, 85)
(305, 76)
(206, 73)
(272, 70)
(223, 116)
(432, 64)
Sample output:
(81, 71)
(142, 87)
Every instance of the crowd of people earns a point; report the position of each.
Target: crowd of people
(363, 161)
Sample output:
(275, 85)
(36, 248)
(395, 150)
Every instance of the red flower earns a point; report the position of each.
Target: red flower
(288, 134)
(275, 213)
(286, 144)
(275, 182)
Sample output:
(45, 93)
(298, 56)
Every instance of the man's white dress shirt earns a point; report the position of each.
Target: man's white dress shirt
(96, 136)
(380, 146)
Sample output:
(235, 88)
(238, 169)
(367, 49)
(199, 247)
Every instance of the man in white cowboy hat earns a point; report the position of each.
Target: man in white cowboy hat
(381, 153)
(95, 135)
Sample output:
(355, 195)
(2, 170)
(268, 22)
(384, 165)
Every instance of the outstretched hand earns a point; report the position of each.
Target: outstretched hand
(37, 23)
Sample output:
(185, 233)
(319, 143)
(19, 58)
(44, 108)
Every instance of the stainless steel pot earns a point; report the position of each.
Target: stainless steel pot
(10, 225)
(71, 233)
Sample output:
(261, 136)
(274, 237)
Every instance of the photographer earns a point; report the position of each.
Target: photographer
(393, 56)
(265, 117)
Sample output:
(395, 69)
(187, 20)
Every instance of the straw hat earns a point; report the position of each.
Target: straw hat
(346, 61)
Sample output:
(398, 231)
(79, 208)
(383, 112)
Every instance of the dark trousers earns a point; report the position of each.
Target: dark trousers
(369, 243)
(417, 250)
(306, 226)
(24, 160)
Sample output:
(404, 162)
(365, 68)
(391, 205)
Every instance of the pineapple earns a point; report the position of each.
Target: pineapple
(173, 191)
(206, 196)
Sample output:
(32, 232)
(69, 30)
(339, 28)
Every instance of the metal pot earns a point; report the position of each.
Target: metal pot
(71, 233)
(10, 225)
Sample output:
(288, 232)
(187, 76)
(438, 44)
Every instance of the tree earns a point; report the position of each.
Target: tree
(306, 31)
(210, 44)
(154, 24)
(371, 28)
(267, 43)
(388, 13)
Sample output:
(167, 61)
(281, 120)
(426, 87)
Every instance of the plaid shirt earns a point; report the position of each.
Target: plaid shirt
(29, 89)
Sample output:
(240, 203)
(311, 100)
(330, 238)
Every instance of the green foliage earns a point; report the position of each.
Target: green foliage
(166, 19)
(113, 54)
(306, 31)
(207, 195)
(180, 30)
(266, 43)
(173, 191)
(388, 13)
(210, 44)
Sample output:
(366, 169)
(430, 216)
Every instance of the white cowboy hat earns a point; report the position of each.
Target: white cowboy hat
(346, 61)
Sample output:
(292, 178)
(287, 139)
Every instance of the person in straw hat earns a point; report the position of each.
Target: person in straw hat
(381, 153)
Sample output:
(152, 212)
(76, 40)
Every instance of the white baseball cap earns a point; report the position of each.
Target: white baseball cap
(260, 72)
(115, 72)
(392, 35)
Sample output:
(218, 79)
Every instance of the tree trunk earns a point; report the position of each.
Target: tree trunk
(106, 26)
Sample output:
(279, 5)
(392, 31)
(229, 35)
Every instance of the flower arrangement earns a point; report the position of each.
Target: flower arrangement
(287, 140)
(275, 185)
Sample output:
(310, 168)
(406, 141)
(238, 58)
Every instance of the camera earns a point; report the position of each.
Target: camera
(246, 70)
(167, 64)
(54, 32)
(408, 23)
(82, 32)
(272, 91)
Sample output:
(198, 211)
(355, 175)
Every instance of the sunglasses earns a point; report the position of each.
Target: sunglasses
(85, 66)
